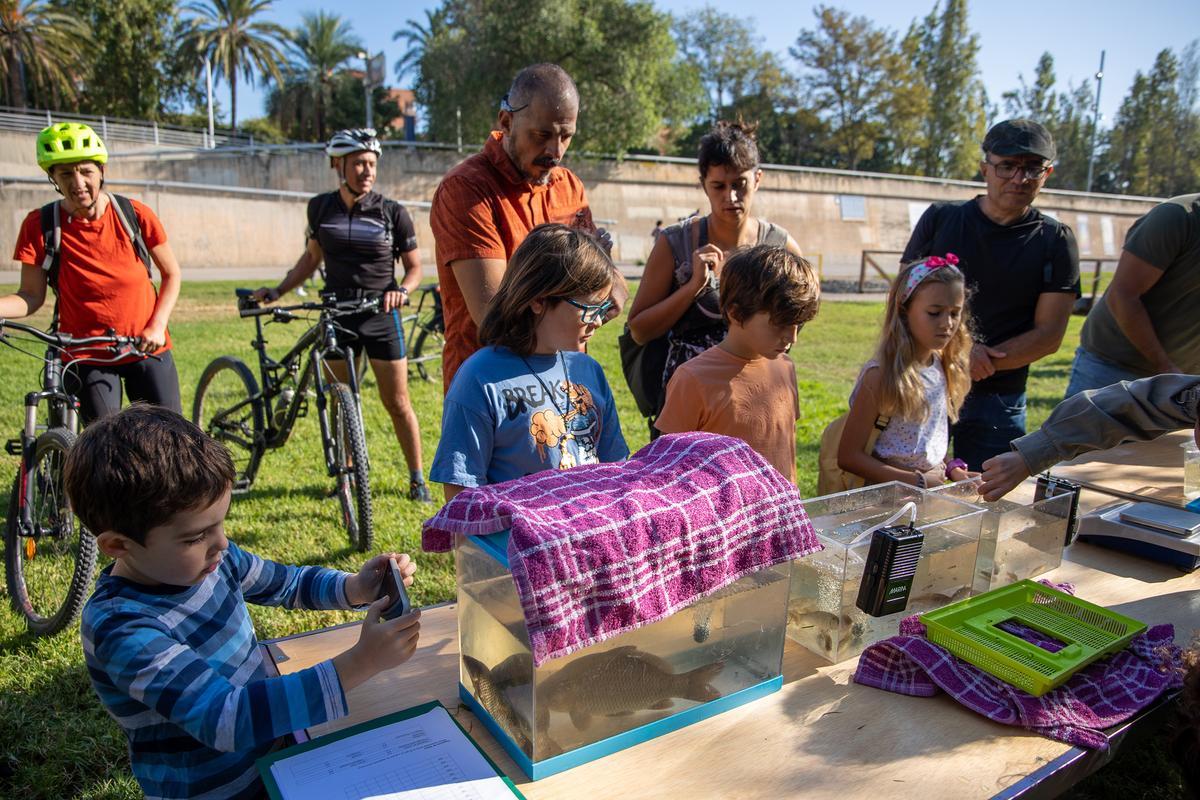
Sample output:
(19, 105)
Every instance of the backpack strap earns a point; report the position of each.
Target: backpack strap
(390, 209)
(52, 242)
(123, 208)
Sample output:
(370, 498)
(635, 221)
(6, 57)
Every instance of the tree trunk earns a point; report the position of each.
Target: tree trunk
(233, 92)
(16, 93)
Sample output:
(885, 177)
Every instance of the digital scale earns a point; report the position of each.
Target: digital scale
(1158, 532)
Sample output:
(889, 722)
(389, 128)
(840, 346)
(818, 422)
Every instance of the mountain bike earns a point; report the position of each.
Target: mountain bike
(425, 333)
(232, 409)
(49, 556)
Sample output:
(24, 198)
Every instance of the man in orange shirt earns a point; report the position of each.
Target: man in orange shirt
(485, 206)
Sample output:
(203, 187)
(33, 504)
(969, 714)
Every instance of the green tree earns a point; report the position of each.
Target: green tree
(41, 52)
(1152, 146)
(957, 117)
(130, 72)
(728, 57)
(233, 34)
(1067, 115)
(263, 130)
(904, 104)
(1072, 130)
(418, 36)
(847, 61)
(1037, 101)
(321, 46)
(620, 53)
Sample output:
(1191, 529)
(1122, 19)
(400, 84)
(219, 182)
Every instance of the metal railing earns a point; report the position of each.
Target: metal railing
(116, 129)
(184, 186)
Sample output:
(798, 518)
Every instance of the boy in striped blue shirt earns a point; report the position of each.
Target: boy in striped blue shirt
(169, 644)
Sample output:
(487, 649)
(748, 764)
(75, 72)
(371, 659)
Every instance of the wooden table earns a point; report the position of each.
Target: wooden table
(820, 736)
(1135, 471)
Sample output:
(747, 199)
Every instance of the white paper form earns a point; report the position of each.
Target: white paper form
(426, 757)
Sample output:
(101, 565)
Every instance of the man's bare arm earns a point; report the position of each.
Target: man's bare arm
(1135, 277)
(1045, 337)
(478, 279)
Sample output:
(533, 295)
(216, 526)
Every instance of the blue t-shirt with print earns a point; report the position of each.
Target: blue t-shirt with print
(506, 417)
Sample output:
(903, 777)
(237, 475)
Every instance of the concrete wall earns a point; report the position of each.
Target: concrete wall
(833, 215)
(206, 230)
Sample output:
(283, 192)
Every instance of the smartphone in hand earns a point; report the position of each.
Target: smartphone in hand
(393, 587)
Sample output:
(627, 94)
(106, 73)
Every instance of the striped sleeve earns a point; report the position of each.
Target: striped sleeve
(141, 660)
(269, 583)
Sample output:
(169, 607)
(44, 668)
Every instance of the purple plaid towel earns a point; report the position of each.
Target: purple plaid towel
(1099, 696)
(605, 548)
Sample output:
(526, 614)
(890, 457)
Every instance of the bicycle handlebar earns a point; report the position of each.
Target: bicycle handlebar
(248, 306)
(64, 340)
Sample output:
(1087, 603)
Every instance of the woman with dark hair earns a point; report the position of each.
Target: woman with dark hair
(678, 295)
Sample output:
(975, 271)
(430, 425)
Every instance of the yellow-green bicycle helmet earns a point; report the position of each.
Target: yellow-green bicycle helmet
(69, 143)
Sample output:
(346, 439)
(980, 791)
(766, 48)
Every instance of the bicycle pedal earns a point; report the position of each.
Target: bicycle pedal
(13, 447)
(302, 408)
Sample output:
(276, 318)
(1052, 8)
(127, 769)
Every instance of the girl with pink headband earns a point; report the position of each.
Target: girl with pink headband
(916, 382)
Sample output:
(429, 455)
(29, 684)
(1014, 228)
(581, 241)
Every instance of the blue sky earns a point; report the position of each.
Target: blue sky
(1013, 34)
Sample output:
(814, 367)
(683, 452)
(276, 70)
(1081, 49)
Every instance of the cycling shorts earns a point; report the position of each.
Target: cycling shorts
(379, 333)
(148, 380)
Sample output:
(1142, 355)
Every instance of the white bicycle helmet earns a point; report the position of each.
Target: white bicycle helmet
(353, 140)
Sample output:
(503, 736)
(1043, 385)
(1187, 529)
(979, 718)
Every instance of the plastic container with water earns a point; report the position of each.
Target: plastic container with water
(1191, 470)
(822, 612)
(719, 653)
(1016, 541)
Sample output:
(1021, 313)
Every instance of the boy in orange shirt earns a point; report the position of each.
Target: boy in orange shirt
(746, 385)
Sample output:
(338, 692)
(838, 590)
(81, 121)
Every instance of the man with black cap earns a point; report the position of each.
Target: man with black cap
(1022, 268)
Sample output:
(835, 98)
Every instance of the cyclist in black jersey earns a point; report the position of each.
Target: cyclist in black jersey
(360, 234)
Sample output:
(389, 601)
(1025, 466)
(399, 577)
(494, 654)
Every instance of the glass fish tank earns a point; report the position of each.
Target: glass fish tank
(721, 652)
(823, 615)
(1016, 541)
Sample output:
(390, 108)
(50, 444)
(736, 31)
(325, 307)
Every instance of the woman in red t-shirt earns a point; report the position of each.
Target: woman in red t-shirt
(102, 283)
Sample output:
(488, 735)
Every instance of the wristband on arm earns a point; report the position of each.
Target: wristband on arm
(955, 463)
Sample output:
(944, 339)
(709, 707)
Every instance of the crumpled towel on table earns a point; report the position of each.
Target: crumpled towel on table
(602, 549)
(1099, 696)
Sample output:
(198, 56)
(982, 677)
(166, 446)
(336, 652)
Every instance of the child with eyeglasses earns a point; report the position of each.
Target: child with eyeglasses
(745, 386)
(532, 399)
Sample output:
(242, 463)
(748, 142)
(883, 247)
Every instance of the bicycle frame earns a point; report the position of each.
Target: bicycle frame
(63, 412)
(62, 406)
(410, 320)
(320, 341)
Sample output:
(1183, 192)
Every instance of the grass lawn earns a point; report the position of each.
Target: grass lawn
(56, 741)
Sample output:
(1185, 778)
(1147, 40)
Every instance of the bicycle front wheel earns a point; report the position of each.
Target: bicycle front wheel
(228, 408)
(427, 352)
(49, 564)
(351, 465)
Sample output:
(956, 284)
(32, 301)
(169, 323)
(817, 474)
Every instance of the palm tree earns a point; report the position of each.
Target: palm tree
(233, 35)
(418, 37)
(42, 46)
(320, 46)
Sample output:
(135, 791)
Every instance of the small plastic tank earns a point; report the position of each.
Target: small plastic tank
(1016, 541)
(822, 612)
(719, 653)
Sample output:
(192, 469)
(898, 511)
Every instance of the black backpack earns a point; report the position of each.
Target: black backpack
(52, 235)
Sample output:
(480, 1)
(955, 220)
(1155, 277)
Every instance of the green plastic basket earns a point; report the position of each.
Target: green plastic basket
(968, 630)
